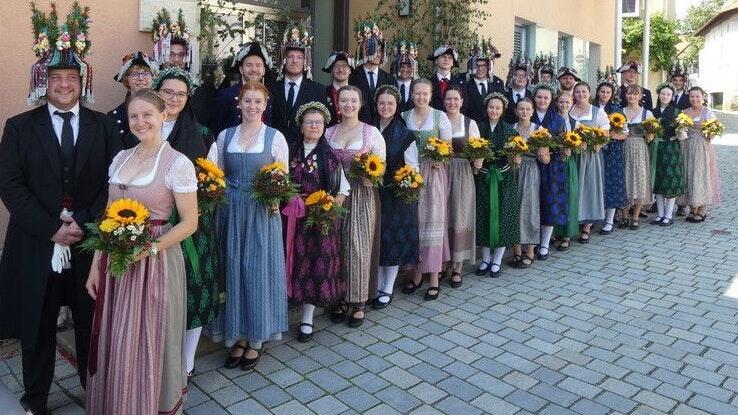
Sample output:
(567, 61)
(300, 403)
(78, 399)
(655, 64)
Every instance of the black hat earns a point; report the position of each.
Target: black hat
(338, 56)
(564, 70)
(132, 59)
(252, 49)
(443, 50)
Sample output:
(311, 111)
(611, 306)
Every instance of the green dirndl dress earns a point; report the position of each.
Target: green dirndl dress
(668, 168)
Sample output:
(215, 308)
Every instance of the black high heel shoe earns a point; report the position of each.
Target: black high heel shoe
(303, 337)
(355, 322)
(428, 296)
(378, 305)
(233, 361)
(483, 268)
(338, 312)
(455, 284)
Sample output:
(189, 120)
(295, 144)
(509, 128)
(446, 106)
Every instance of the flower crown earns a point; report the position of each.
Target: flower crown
(71, 36)
(496, 95)
(313, 105)
(665, 85)
(297, 36)
(387, 89)
(173, 72)
(544, 85)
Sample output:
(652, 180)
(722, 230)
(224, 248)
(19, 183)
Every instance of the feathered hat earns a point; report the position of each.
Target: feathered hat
(298, 37)
(445, 49)
(60, 47)
(519, 63)
(253, 49)
(565, 70)
(338, 56)
(369, 42)
(404, 52)
(132, 59)
(678, 69)
(543, 64)
(482, 50)
(635, 65)
(165, 33)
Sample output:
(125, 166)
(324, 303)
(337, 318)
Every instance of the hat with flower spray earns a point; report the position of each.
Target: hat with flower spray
(165, 32)
(298, 37)
(405, 52)
(369, 42)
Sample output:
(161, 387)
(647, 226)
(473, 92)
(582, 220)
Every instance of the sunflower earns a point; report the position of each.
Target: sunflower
(327, 204)
(443, 148)
(374, 165)
(209, 167)
(617, 120)
(127, 211)
(276, 166)
(315, 197)
(572, 139)
(109, 225)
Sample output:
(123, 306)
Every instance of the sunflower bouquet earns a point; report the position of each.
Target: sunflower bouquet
(516, 146)
(683, 121)
(712, 128)
(570, 140)
(541, 138)
(408, 182)
(437, 150)
(652, 125)
(272, 185)
(123, 233)
(321, 210)
(210, 185)
(368, 166)
(477, 148)
(592, 136)
(618, 122)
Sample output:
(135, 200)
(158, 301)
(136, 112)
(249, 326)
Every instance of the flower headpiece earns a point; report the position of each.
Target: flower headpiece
(608, 76)
(665, 85)
(387, 89)
(679, 69)
(496, 95)
(253, 49)
(444, 49)
(338, 56)
(174, 72)
(543, 64)
(298, 37)
(635, 65)
(60, 47)
(369, 40)
(519, 63)
(404, 52)
(165, 32)
(313, 105)
(544, 85)
(135, 58)
(482, 50)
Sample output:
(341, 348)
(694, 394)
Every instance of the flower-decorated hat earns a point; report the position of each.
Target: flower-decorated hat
(369, 42)
(678, 69)
(519, 63)
(338, 56)
(253, 49)
(60, 47)
(137, 58)
(445, 49)
(165, 33)
(634, 65)
(174, 72)
(298, 37)
(565, 70)
(483, 50)
(313, 105)
(404, 52)
(543, 64)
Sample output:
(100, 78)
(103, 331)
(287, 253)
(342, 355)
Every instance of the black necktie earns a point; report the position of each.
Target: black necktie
(517, 98)
(676, 99)
(483, 85)
(372, 85)
(67, 135)
(291, 96)
(402, 93)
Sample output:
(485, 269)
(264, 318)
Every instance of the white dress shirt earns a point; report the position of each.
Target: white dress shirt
(407, 84)
(58, 122)
(441, 76)
(166, 129)
(297, 82)
(516, 92)
(481, 82)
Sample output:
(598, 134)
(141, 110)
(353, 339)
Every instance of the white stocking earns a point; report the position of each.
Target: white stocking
(660, 206)
(546, 232)
(192, 337)
(609, 219)
(307, 317)
(382, 278)
(390, 274)
(486, 254)
(669, 208)
(497, 260)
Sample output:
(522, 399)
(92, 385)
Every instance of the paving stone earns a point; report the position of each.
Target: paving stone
(427, 392)
(305, 391)
(248, 406)
(655, 400)
(398, 399)
(327, 405)
(225, 397)
(292, 408)
(207, 408)
(554, 394)
(454, 405)
(588, 407)
(400, 377)
(330, 381)
(526, 400)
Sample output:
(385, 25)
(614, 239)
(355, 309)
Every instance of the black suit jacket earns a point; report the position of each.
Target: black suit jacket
(437, 99)
(683, 102)
(645, 98)
(368, 111)
(405, 105)
(31, 189)
(283, 117)
(474, 101)
(331, 104)
(510, 116)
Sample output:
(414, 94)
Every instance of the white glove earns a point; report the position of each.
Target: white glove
(61, 258)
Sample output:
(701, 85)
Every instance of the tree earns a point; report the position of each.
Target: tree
(662, 43)
(696, 17)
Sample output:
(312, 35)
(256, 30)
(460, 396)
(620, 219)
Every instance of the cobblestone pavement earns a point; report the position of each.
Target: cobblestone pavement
(634, 323)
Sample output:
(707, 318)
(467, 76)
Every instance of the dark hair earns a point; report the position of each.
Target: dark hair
(351, 88)
(697, 88)
(457, 88)
(524, 99)
(150, 96)
(158, 82)
(608, 85)
(584, 84)
(178, 41)
(388, 90)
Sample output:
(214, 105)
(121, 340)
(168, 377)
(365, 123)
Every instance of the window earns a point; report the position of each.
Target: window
(631, 8)
(564, 50)
(519, 40)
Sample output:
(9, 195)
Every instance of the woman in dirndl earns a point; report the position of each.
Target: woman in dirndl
(668, 180)
(565, 232)
(637, 158)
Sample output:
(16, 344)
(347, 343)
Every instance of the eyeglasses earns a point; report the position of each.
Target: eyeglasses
(313, 123)
(140, 75)
(171, 94)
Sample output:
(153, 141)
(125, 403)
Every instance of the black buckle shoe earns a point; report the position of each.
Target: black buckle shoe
(378, 305)
(482, 270)
(355, 322)
(233, 361)
(411, 286)
(495, 274)
(455, 284)
(428, 296)
(248, 364)
(303, 337)
(338, 313)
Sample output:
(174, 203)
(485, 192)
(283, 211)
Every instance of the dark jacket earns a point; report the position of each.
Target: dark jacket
(683, 102)
(31, 189)
(332, 103)
(368, 111)
(510, 116)
(667, 117)
(405, 105)
(437, 99)
(474, 102)
(120, 118)
(551, 121)
(283, 118)
(645, 98)
(397, 138)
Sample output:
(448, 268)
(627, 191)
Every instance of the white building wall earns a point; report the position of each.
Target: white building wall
(719, 62)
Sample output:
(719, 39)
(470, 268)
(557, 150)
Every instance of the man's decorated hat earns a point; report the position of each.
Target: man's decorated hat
(137, 58)
(634, 65)
(404, 52)
(60, 46)
(338, 55)
(482, 50)
(369, 42)
(445, 49)
(565, 70)
(543, 63)
(678, 69)
(298, 37)
(519, 63)
(253, 49)
(165, 32)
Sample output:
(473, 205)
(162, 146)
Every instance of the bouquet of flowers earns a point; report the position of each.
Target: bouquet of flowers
(210, 185)
(681, 123)
(541, 138)
(408, 182)
(570, 140)
(516, 146)
(369, 166)
(477, 148)
(437, 150)
(617, 122)
(652, 126)
(123, 233)
(321, 210)
(593, 136)
(712, 128)
(272, 185)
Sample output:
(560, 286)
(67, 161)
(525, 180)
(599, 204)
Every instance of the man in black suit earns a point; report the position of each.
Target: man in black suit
(480, 82)
(294, 89)
(567, 78)
(518, 80)
(630, 71)
(405, 67)
(370, 76)
(445, 58)
(340, 65)
(678, 78)
(53, 157)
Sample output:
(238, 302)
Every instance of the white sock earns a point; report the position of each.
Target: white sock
(255, 345)
(382, 278)
(609, 219)
(390, 274)
(192, 337)
(669, 208)
(486, 254)
(307, 317)
(497, 260)
(660, 206)
(546, 232)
